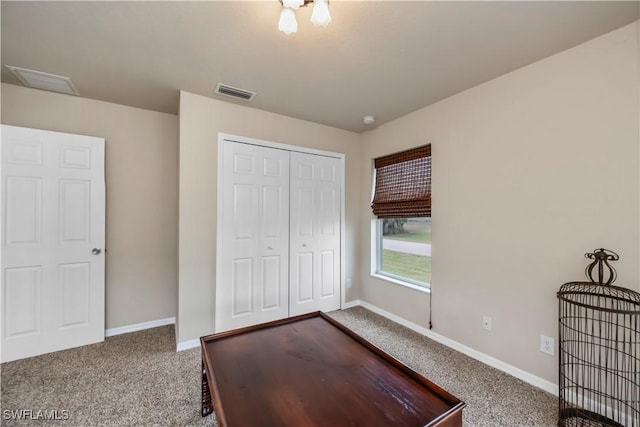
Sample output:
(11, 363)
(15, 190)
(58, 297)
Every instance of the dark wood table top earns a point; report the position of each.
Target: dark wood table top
(310, 370)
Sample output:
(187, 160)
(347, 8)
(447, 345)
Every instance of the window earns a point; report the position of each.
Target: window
(404, 250)
(402, 204)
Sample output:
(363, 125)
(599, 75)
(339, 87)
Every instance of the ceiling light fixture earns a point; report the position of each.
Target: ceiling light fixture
(320, 17)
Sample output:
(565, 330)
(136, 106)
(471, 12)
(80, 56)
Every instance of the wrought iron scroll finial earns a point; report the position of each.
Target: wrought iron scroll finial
(601, 258)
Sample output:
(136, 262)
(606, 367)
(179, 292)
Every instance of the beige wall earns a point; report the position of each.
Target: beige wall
(530, 171)
(141, 179)
(201, 119)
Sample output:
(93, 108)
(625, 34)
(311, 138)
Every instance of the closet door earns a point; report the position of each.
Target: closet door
(254, 255)
(315, 233)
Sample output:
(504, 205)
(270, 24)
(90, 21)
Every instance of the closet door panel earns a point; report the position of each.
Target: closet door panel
(304, 280)
(327, 274)
(329, 186)
(271, 280)
(315, 233)
(242, 286)
(253, 258)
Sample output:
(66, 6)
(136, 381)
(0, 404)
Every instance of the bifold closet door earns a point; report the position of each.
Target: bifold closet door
(314, 280)
(253, 260)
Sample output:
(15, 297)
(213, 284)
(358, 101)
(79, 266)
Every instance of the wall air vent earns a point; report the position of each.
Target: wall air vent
(234, 92)
(45, 81)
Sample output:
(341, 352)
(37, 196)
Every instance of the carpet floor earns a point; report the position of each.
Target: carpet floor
(138, 379)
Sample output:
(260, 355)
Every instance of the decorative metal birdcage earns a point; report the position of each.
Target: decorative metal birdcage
(599, 383)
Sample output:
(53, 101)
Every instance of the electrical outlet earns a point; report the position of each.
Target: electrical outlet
(547, 345)
(348, 283)
(486, 323)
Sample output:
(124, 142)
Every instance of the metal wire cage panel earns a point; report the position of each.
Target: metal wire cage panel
(599, 345)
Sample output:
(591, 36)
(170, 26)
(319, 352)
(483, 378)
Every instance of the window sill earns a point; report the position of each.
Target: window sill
(426, 290)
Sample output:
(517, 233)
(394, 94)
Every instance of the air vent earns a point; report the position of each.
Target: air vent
(234, 92)
(40, 80)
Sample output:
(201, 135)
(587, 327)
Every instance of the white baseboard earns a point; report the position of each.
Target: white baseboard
(139, 326)
(186, 345)
(475, 354)
(350, 304)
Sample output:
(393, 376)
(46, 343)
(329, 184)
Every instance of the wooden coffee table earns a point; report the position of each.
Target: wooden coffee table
(310, 370)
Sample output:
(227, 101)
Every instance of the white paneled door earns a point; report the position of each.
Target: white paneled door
(253, 257)
(53, 236)
(279, 233)
(316, 183)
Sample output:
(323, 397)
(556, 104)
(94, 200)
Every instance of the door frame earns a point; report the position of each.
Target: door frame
(270, 144)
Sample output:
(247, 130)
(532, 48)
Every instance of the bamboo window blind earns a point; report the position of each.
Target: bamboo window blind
(403, 184)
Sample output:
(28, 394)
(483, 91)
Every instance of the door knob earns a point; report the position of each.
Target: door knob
(96, 251)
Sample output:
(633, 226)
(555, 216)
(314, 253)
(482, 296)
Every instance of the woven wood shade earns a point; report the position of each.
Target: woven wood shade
(403, 184)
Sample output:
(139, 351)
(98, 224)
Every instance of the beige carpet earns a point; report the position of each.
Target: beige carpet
(139, 380)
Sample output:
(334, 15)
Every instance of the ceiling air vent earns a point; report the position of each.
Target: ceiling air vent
(46, 81)
(234, 92)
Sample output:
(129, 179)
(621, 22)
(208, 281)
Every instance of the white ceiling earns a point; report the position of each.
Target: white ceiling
(381, 58)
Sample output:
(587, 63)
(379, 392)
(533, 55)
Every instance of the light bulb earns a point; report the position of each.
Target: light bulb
(293, 4)
(320, 16)
(287, 23)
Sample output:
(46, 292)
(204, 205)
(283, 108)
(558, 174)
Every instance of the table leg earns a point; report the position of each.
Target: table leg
(207, 407)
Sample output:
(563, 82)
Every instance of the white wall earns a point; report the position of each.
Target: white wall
(141, 169)
(201, 119)
(530, 171)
